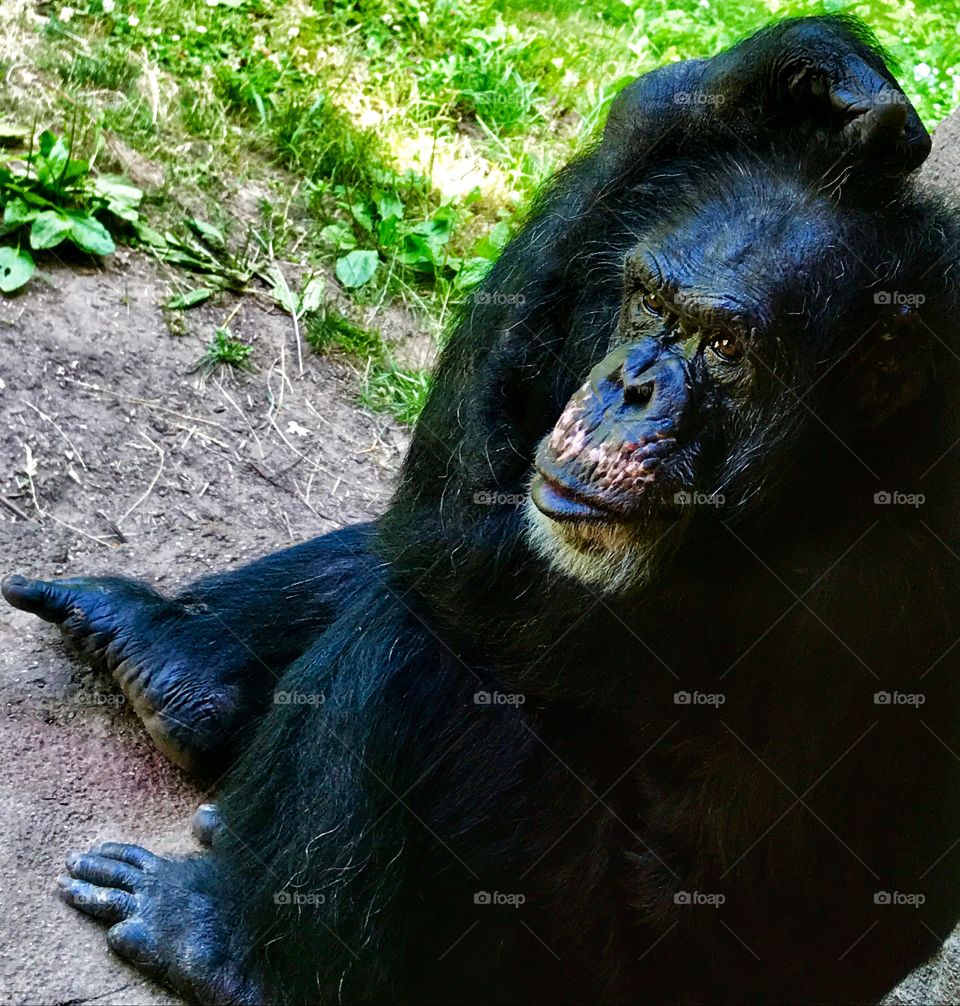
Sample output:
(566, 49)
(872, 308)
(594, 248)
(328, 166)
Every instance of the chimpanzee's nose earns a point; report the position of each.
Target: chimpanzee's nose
(637, 392)
(643, 377)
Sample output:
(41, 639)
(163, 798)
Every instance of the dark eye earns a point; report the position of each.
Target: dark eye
(653, 304)
(727, 347)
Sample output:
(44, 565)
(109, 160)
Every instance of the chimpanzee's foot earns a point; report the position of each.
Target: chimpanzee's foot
(162, 920)
(168, 671)
(201, 667)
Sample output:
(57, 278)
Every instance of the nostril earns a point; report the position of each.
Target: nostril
(638, 394)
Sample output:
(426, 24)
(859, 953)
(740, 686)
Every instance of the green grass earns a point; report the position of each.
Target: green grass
(385, 385)
(225, 350)
(397, 135)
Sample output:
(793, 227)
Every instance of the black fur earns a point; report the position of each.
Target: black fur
(380, 795)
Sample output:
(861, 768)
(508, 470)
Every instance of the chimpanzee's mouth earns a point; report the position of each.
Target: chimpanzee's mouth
(560, 502)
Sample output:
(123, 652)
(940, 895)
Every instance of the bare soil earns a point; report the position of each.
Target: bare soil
(118, 459)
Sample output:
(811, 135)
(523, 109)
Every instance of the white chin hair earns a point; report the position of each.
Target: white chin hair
(606, 556)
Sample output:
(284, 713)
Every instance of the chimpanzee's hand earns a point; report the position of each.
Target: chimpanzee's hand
(815, 76)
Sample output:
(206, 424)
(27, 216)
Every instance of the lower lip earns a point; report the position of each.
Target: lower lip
(557, 504)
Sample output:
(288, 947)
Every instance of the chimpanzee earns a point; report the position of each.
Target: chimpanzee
(645, 687)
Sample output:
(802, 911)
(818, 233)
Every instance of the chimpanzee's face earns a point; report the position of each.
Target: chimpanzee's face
(731, 314)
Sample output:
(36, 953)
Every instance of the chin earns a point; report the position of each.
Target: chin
(613, 557)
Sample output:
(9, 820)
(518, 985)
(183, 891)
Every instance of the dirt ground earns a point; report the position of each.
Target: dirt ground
(137, 466)
(115, 457)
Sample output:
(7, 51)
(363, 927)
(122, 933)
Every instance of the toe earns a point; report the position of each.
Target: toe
(132, 854)
(103, 871)
(40, 597)
(104, 903)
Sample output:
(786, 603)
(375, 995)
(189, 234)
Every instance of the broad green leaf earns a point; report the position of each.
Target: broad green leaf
(417, 253)
(492, 244)
(437, 230)
(16, 213)
(340, 236)
(74, 171)
(357, 268)
(362, 214)
(36, 200)
(122, 198)
(192, 298)
(53, 163)
(207, 232)
(16, 267)
(311, 297)
(389, 206)
(46, 141)
(117, 187)
(280, 290)
(89, 235)
(49, 229)
(472, 270)
(387, 232)
(149, 236)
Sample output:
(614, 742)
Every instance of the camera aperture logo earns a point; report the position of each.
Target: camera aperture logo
(499, 898)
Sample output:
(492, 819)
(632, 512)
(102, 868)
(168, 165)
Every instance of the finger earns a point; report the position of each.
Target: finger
(105, 903)
(103, 871)
(132, 854)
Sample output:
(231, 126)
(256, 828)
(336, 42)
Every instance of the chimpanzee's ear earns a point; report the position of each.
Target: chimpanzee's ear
(887, 372)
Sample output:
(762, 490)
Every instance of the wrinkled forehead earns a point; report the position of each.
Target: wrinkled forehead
(762, 245)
